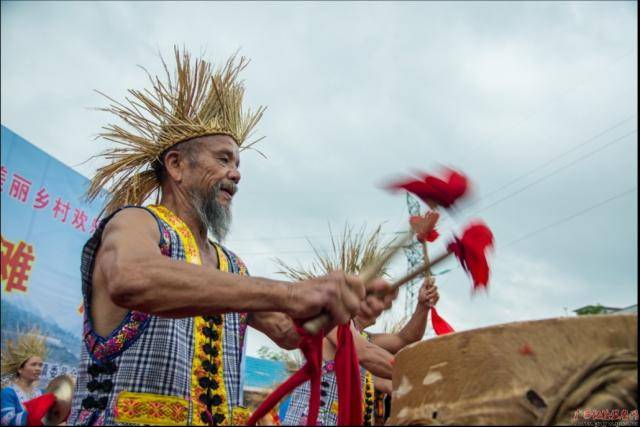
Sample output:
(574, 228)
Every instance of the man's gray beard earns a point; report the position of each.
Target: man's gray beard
(213, 215)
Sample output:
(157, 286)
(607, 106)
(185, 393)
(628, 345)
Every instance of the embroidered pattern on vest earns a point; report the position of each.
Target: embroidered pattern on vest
(208, 394)
(153, 409)
(104, 349)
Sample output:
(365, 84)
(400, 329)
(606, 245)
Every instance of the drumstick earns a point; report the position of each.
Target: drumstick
(427, 263)
(417, 272)
(368, 273)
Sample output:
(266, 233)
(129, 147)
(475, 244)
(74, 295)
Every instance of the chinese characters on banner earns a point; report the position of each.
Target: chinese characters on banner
(20, 190)
(17, 259)
(46, 221)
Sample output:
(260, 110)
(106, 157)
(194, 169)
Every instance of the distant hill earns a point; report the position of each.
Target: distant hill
(64, 348)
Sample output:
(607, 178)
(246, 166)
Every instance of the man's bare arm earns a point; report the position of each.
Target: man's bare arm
(414, 329)
(373, 358)
(138, 277)
(277, 326)
(411, 332)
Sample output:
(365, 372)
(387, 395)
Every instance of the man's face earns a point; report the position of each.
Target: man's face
(211, 179)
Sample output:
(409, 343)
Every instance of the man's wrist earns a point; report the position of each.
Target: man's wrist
(422, 308)
(283, 299)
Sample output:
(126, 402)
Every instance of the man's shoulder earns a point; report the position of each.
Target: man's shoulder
(130, 217)
(234, 258)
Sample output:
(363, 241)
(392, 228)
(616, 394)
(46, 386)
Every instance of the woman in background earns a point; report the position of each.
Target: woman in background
(22, 359)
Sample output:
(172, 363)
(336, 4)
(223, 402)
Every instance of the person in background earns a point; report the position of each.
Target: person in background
(378, 402)
(351, 253)
(23, 360)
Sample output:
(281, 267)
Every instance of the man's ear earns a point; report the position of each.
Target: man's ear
(172, 163)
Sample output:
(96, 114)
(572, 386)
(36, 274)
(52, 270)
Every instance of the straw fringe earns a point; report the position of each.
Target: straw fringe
(351, 253)
(194, 102)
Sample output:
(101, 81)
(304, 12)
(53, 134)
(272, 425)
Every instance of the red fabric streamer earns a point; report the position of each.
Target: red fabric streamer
(431, 236)
(37, 408)
(424, 227)
(440, 326)
(470, 251)
(347, 376)
(433, 190)
(311, 347)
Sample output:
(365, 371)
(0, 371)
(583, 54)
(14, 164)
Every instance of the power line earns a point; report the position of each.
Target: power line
(542, 178)
(589, 154)
(526, 236)
(548, 162)
(567, 218)
(509, 183)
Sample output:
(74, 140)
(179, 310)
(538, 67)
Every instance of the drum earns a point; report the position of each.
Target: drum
(544, 372)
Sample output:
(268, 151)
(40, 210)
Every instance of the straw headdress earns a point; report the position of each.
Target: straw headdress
(15, 353)
(351, 253)
(195, 102)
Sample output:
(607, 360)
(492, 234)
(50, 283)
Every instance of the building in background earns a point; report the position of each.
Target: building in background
(262, 376)
(600, 309)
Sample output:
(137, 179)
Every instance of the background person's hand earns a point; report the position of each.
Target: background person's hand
(428, 295)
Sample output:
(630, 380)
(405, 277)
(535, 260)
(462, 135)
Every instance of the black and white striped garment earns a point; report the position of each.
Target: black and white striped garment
(298, 408)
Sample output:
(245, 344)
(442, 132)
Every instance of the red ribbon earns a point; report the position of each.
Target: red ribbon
(471, 252)
(431, 189)
(347, 376)
(37, 408)
(440, 326)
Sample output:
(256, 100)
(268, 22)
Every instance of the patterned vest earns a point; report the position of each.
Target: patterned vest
(161, 371)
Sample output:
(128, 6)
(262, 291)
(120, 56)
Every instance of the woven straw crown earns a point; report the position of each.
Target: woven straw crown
(15, 353)
(195, 102)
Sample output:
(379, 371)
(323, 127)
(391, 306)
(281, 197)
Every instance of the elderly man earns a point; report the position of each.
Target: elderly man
(166, 309)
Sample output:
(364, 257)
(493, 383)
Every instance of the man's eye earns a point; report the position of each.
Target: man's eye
(223, 160)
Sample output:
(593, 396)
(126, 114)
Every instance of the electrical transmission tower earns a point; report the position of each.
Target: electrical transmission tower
(415, 257)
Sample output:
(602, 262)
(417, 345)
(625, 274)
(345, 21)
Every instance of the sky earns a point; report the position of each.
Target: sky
(536, 102)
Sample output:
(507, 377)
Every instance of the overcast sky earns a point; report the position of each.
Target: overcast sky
(360, 92)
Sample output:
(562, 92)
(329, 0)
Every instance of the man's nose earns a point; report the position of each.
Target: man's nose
(234, 175)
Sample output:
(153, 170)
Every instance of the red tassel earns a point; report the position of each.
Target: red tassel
(348, 378)
(440, 326)
(424, 227)
(470, 251)
(431, 189)
(311, 347)
(37, 408)
(431, 236)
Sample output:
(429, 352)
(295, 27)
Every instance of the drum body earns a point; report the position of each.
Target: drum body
(540, 372)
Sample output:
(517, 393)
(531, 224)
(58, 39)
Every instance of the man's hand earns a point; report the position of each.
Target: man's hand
(428, 295)
(337, 294)
(373, 305)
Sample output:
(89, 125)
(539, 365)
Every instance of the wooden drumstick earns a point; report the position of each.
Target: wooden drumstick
(368, 273)
(417, 272)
